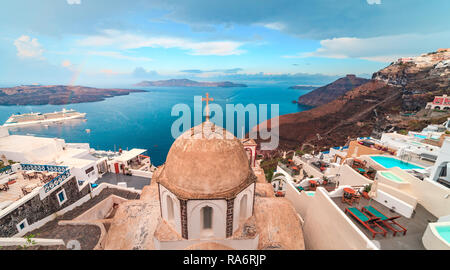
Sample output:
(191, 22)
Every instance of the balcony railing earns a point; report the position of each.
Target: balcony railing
(43, 168)
(63, 170)
(56, 181)
(6, 170)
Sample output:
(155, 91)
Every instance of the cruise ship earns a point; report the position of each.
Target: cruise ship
(38, 118)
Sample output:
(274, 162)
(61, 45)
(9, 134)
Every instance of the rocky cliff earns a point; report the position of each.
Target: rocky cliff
(404, 85)
(56, 94)
(330, 92)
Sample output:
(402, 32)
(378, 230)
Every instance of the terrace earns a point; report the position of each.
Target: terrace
(361, 167)
(16, 185)
(131, 181)
(139, 162)
(416, 225)
(290, 168)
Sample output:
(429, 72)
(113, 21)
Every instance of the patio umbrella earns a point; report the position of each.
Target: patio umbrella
(373, 191)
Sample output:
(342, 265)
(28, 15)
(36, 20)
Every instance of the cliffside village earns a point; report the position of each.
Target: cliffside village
(386, 193)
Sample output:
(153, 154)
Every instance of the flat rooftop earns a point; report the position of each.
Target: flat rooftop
(21, 143)
(416, 226)
(132, 181)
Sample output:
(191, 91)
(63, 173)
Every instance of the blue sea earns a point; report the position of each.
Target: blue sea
(143, 120)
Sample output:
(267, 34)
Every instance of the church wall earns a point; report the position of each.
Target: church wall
(237, 204)
(163, 195)
(194, 218)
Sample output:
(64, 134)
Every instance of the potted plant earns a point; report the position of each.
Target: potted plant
(325, 180)
(366, 191)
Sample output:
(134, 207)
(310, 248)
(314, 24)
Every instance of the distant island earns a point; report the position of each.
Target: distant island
(188, 83)
(304, 87)
(57, 94)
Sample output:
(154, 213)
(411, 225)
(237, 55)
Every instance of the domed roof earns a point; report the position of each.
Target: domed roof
(206, 162)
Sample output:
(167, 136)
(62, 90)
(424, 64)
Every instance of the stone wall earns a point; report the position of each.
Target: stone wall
(35, 210)
(184, 225)
(230, 209)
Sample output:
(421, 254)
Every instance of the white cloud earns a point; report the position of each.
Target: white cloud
(74, 2)
(118, 55)
(28, 47)
(371, 2)
(275, 26)
(125, 40)
(380, 49)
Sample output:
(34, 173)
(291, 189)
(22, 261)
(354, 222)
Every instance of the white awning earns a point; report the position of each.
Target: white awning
(127, 155)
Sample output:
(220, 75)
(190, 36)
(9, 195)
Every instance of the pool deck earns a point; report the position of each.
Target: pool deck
(132, 181)
(416, 226)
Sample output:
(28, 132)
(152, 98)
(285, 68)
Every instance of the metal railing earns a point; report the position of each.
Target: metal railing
(6, 170)
(63, 170)
(56, 181)
(43, 168)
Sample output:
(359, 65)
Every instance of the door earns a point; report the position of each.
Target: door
(116, 167)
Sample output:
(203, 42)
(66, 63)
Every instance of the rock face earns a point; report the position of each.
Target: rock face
(405, 85)
(135, 222)
(57, 94)
(330, 92)
(188, 83)
(280, 228)
(421, 78)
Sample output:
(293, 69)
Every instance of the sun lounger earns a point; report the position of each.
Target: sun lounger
(368, 222)
(388, 222)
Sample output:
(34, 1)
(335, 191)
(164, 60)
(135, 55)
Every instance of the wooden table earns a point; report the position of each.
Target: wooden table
(349, 191)
(347, 197)
(313, 184)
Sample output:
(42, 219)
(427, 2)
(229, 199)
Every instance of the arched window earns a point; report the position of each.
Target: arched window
(169, 203)
(243, 208)
(207, 216)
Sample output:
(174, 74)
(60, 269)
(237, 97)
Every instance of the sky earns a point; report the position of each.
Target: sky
(112, 42)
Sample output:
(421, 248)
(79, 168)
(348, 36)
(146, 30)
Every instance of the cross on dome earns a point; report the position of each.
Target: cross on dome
(207, 99)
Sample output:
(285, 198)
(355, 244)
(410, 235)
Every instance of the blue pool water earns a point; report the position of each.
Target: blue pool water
(420, 136)
(444, 232)
(389, 162)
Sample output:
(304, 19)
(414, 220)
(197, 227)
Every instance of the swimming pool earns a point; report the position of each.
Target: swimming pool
(392, 177)
(310, 193)
(444, 232)
(390, 162)
(420, 136)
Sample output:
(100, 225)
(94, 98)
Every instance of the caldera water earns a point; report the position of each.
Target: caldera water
(143, 120)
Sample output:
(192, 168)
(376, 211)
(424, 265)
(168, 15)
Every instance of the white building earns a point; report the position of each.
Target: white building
(52, 151)
(441, 169)
(439, 103)
(409, 144)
